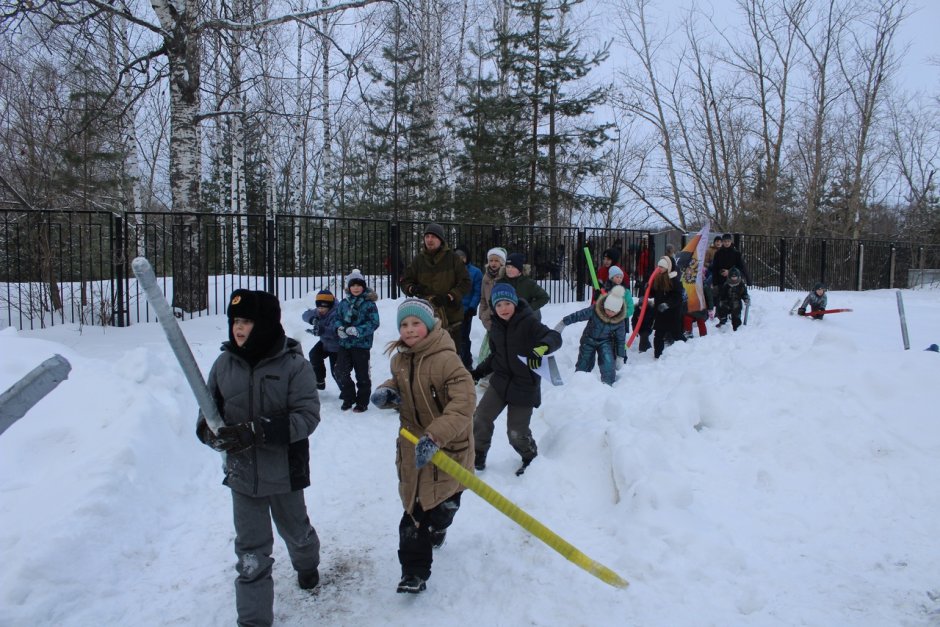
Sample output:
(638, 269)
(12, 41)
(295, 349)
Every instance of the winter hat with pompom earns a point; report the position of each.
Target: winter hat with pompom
(356, 278)
(614, 299)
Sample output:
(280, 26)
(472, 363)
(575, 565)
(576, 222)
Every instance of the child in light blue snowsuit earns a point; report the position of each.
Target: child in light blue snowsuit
(604, 335)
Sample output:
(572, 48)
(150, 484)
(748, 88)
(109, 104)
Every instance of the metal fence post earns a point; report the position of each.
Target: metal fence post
(892, 265)
(497, 236)
(783, 263)
(118, 271)
(861, 265)
(270, 277)
(580, 266)
(394, 243)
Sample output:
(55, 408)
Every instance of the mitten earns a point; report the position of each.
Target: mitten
(385, 397)
(801, 313)
(341, 332)
(476, 375)
(239, 437)
(662, 307)
(560, 326)
(352, 331)
(535, 360)
(424, 451)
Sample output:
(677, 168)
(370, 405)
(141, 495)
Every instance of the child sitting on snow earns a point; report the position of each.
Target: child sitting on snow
(604, 335)
(816, 300)
(732, 296)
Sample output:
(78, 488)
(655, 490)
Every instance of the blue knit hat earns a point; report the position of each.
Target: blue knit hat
(504, 291)
(419, 308)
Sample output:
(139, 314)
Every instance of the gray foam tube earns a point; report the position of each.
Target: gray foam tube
(174, 335)
(32, 388)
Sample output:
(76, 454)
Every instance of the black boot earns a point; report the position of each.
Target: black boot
(525, 464)
(437, 537)
(308, 579)
(412, 584)
(479, 461)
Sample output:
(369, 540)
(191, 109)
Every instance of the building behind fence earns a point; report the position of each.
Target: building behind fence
(74, 267)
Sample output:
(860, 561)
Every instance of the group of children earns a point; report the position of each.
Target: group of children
(265, 434)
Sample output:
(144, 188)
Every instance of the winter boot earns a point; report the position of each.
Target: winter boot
(412, 584)
(321, 385)
(308, 579)
(479, 461)
(525, 464)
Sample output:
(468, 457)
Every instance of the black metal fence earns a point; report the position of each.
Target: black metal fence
(73, 267)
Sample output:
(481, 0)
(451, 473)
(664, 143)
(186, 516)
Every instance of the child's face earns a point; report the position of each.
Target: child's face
(820, 291)
(607, 262)
(505, 309)
(512, 272)
(412, 330)
(617, 279)
(494, 263)
(355, 289)
(610, 312)
(241, 329)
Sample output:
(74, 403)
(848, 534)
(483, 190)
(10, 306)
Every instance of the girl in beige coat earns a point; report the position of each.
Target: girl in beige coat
(435, 398)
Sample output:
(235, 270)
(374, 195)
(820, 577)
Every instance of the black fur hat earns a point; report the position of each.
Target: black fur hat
(264, 310)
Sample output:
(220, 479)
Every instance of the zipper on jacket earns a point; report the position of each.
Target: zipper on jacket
(437, 400)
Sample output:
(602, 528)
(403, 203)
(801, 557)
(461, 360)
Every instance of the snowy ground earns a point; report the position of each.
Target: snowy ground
(786, 474)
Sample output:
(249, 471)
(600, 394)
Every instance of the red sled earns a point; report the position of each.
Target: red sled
(823, 312)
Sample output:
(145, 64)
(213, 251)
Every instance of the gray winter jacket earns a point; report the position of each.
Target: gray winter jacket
(281, 386)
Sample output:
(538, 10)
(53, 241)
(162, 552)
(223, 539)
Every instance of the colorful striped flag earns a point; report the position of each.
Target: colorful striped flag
(689, 263)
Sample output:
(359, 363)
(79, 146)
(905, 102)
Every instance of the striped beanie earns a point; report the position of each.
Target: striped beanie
(324, 298)
(419, 308)
(504, 291)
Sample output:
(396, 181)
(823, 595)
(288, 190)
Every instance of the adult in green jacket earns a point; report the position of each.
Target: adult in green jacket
(439, 276)
(526, 287)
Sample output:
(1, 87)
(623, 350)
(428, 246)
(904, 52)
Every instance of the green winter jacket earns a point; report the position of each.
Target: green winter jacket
(531, 291)
(439, 274)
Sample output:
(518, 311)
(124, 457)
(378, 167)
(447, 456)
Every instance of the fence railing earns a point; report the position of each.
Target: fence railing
(73, 266)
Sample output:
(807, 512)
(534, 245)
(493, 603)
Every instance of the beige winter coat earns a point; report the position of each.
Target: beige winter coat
(486, 290)
(437, 398)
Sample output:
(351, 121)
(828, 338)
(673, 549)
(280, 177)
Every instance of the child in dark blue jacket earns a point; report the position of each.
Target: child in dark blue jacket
(357, 318)
(321, 321)
(604, 335)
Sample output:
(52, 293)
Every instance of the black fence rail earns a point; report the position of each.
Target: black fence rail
(73, 266)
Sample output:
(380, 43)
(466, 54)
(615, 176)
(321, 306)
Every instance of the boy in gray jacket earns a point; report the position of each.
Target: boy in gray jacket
(266, 394)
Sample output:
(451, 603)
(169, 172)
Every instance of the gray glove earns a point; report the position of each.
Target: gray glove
(662, 307)
(385, 398)
(424, 451)
(352, 331)
(560, 326)
(341, 332)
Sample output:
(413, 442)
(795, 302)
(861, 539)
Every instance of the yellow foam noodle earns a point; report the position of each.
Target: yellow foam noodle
(520, 517)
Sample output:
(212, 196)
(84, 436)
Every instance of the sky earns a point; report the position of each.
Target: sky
(784, 474)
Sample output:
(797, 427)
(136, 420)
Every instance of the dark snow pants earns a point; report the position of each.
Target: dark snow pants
(465, 350)
(254, 542)
(415, 553)
(517, 424)
(349, 360)
(318, 356)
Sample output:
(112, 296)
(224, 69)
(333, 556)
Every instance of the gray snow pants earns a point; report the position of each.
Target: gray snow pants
(517, 424)
(254, 542)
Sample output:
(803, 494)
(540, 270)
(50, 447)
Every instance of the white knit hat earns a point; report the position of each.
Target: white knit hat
(498, 251)
(666, 264)
(614, 299)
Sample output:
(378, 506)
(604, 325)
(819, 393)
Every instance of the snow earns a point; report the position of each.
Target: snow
(786, 474)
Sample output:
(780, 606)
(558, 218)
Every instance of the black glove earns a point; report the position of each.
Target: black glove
(235, 439)
(801, 313)
(424, 451)
(440, 301)
(475, 375)
(535, 359)
(275, 430)
(662, 307)
(205, 435)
